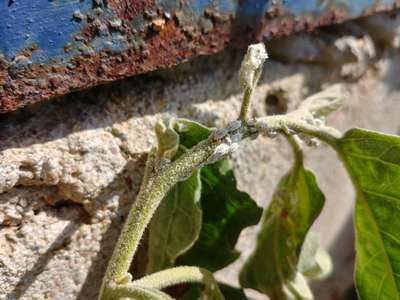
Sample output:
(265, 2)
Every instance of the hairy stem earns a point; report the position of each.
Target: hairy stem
(147, 201)
(175, 276)
(136, 292)
(244, 110)
(157, 184)
(296, 124)
(298, 154)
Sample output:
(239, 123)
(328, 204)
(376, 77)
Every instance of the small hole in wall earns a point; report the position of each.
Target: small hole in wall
(276, 102)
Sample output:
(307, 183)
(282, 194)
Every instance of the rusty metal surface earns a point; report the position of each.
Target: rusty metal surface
(51, 47)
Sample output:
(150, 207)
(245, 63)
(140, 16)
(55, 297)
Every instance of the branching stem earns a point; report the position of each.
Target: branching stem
(244, 110)
(147, 201)
(156, 184)
(160, 178)
(298, 125)
(132, 291)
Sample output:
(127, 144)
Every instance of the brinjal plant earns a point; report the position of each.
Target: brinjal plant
(189, 203)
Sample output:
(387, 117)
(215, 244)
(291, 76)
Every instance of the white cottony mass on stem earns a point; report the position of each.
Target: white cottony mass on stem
(252, 64)
(250, 72)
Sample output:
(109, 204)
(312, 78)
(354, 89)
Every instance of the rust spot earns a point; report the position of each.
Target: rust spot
(284, 214)
(169, 47)
(128, 9)
(274, 26)
(161, 41)
(158, 24)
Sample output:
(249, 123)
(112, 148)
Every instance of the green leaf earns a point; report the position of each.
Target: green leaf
(273, 266)
(228, 292)
(232, 293)
(325, 102)
(211, 291)
(226, 212)
(176, 224)
(373, 162)
(190, 132)
(168, 140)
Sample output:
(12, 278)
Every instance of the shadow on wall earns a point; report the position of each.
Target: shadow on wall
(21, 128)
(91, 286)
(340, 284)
(79, 217)
(101, 107)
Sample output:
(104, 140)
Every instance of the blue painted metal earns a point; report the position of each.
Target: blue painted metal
(47, 24)
(50, 47)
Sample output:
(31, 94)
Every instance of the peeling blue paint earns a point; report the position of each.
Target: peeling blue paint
(50, 26)
(47, 24)
(304, 6)
(354, 8)
(72, 44)
(253, 8)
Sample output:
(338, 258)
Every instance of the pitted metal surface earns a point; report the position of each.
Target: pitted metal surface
(50, 48)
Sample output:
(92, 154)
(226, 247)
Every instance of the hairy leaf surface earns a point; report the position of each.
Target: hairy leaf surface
(190, 132)
(177, 222)
(226, 212)
(273, 266)
(373, 161)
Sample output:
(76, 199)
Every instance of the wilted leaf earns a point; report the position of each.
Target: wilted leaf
(273, 266)
(297, 289)
(325, 102)
(314, 262)
(226, 212)
(373, 161)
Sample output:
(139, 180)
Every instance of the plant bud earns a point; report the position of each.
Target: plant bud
(252, 63)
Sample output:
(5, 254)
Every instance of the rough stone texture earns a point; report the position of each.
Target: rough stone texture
(69, 169)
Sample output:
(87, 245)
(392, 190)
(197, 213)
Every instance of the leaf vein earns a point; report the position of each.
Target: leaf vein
(381, 285)
(376, 193)
(380, 238)
(367, 157)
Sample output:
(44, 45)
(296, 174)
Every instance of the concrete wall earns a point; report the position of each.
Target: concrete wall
(70, 168)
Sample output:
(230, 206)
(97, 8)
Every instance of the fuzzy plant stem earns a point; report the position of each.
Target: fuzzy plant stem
(131, 291)
(147, 201)
(297, 125)
(160, 182)
(156, 183)
(173, 276)
(249, 74)
(297, 152)
(244, 110)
